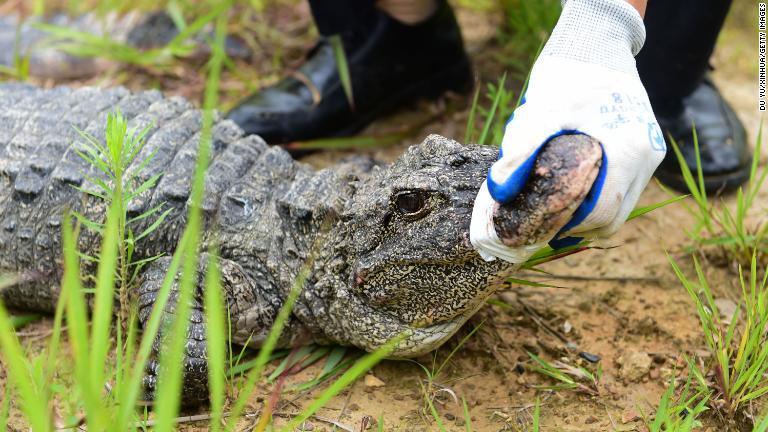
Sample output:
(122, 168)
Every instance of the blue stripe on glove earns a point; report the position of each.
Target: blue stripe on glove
(510, 188)
(586, 207)
(507, 190)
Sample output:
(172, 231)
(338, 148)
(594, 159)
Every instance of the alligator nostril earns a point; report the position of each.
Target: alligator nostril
(465, 241)
(359, 277)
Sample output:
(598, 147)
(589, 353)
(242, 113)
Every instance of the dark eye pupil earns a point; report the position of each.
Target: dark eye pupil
(410, 202)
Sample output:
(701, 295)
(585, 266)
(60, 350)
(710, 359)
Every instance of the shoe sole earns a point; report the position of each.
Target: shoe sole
(718, 183)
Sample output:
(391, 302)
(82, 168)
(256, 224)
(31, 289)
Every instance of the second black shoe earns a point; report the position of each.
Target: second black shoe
(391, 65)
(725, 156)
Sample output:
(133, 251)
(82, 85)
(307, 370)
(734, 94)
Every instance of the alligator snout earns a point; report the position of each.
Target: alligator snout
(562, 177)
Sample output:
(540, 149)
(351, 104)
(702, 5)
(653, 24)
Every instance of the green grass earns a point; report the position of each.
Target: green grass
(736, 232)
(485, 126)
(430, 389)
(19, 70)
(20, 321)
(356, 371)
(527, 27)
(116, 186)
(96, 358)
(680, 412)
(100, 352)
(762, 425)
(738, 345)
(215, 335)
(337, 45)
(567, 377)
(84, 44)
(22, 377)
(535, 427)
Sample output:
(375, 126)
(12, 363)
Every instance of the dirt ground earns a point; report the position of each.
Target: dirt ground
(622, 303)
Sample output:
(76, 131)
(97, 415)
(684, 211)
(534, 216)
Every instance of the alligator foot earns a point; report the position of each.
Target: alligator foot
(195, 383)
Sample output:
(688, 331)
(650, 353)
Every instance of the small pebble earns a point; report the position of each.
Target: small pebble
(629, 415)
(666, 373)
(726, 308)
(634, 365)
(306, 426)
(592, 358)
(368, 422)
(372, 382)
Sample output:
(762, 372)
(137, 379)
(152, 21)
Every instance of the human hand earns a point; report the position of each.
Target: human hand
(585, 81)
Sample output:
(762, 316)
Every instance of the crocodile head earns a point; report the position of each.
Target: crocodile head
(411, 266)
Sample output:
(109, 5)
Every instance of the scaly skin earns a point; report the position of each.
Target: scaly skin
(389, 247)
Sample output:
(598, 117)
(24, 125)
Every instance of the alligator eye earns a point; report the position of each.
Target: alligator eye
(410, 203)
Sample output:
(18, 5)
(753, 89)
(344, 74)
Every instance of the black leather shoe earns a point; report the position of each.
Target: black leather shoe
(391, 65)
(725, 155)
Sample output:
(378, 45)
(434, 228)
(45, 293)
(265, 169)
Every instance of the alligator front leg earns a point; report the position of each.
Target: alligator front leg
(252, 306)
(195, 388)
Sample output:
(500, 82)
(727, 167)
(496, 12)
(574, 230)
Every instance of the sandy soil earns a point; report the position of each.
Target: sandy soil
(622, 302)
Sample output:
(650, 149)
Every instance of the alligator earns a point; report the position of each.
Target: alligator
(387, 245)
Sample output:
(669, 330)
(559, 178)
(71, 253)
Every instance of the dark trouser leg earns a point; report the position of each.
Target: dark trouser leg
(673, 67)
(681, 39)
(341, 16)
(391, 65)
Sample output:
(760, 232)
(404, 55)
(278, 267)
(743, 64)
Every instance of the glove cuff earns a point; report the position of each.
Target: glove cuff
(609, 33)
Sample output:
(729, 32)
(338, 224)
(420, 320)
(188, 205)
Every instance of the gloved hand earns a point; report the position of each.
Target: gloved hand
(585, 81)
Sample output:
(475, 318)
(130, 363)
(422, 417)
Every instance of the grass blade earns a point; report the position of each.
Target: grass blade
(359, 368)
(105, 295)
(647, 209)
(434, 413)
(337, 45)
(489, 120)
(19, 321)
(267, 347)
(34, 407)
(171, 374)
(289, 362)
(216, 339)
(467, 417)
(470, 130)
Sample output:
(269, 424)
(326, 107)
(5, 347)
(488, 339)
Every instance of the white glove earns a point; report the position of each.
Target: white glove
(585, 81)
